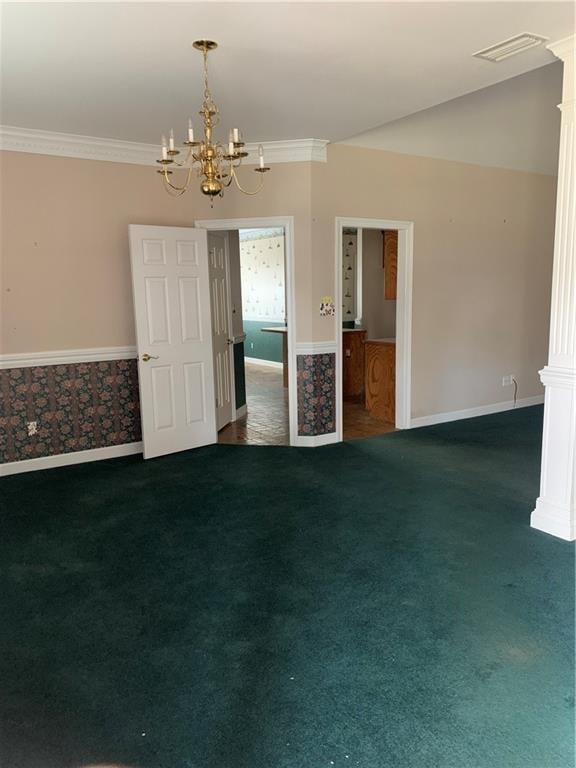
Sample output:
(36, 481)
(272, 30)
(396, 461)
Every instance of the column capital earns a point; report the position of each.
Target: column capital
(558, 377)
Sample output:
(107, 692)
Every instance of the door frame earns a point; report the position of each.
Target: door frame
(229, 313)
(287, 222)
(403, 315)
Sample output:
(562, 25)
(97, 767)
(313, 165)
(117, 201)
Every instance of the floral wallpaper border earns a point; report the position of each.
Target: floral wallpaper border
(316, 382)
(76, 407)
(82, 406)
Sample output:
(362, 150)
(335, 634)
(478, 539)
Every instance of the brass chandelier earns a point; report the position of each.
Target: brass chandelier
(214, 163)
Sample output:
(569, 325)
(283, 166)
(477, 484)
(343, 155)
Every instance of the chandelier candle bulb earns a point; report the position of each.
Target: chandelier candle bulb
(164, 149)
(190, 131)
(171, 139)
(261, 155)
(235, 135)
(230, 147)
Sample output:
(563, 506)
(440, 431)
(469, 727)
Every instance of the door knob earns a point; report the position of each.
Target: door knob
(229, 341)
(146, 357)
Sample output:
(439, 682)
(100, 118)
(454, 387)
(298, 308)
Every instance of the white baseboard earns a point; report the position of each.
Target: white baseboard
(265, 363)
(74, 457)
(470, 413)
(315, 441)
(242, 411)
(549, 518)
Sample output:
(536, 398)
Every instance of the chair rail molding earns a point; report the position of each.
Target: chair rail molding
(555, 511)
(66, 356)
(38, 142)
(316, 347)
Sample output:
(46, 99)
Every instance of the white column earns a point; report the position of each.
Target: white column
(555, 511)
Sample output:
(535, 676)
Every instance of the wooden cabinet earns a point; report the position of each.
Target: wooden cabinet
(390, 256)
(380, 381)
(353, 364)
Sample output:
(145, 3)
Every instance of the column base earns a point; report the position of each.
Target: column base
(552, 519)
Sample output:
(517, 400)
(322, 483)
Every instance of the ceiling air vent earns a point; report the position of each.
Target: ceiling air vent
(510, 47)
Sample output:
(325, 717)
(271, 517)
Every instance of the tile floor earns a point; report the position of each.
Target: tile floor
(359, 423)
(266, 422)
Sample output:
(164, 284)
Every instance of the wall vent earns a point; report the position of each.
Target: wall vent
(510, 47)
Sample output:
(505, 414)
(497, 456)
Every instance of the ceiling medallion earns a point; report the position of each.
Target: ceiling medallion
(214, 163)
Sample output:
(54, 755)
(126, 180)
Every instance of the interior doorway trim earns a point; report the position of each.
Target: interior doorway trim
(287, 222)
(403, 315)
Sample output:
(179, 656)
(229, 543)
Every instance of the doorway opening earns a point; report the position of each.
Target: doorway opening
(374, 310)
(258, 342)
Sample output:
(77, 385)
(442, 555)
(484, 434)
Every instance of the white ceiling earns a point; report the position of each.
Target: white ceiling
(514, 124)
(283, 70)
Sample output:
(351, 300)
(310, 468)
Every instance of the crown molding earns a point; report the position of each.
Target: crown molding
(37, 142)
(564, 48)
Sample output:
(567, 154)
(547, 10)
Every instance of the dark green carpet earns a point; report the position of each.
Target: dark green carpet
(381, 603)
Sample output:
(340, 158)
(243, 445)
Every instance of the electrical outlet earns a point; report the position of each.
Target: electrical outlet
(507, 381)
(251, 345)
(32, 428)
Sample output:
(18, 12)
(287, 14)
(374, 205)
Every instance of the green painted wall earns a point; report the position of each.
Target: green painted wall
(262, 345)
(239, 375)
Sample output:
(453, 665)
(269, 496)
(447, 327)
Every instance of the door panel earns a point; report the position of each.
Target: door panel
(173, 327)
(190, 309)
(157, 310)
(194, 376)
(154, 252)
(221, 325)
(187, 253)
(163, 396)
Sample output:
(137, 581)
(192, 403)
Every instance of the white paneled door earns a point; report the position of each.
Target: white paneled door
(171, 287)
(221, 325)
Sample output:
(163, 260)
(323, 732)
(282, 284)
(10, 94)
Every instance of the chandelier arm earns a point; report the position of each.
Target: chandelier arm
(230, 176)
(185, 162)
(241, 188)
(175, 187)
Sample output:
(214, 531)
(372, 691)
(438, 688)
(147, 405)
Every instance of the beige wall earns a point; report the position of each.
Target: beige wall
(482, 256)
(64, 240)
(483, 246)
(378, 313)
